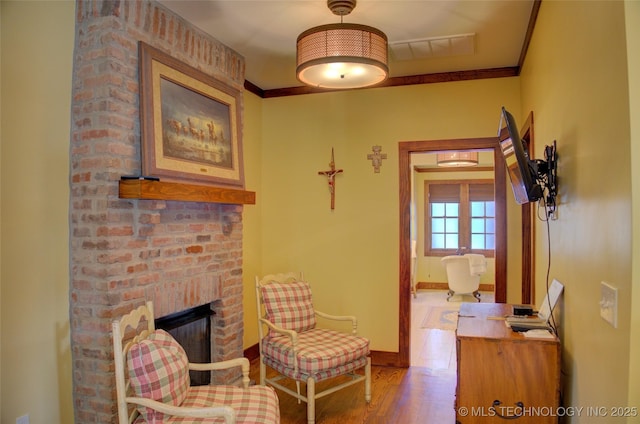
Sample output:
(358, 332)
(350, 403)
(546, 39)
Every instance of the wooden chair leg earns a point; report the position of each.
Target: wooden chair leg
(263, 372)
(311, 400)
(367, 381)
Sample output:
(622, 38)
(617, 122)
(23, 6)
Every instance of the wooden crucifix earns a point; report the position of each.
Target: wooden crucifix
(331, 177)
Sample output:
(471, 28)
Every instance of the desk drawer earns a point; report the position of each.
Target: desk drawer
(509, 378)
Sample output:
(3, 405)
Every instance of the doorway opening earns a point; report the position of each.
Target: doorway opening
(406, 149)
(453, 214)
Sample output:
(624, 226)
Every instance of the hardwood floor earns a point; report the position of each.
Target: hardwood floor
(399, 395)
(421, 394)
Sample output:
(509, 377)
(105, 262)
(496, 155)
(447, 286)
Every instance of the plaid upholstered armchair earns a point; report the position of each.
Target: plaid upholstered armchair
(298, 350)
(152, 381)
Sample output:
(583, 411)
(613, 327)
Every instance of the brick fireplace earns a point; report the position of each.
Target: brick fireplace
(124, 251)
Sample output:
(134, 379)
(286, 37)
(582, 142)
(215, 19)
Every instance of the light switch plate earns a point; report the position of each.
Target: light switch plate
(609, 303)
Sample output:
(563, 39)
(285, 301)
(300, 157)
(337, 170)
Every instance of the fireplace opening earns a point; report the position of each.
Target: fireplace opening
(192, 329)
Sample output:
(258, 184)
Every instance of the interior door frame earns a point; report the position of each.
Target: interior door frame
(405, 148)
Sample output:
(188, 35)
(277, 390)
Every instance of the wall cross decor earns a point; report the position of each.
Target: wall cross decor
(376, 158)
(331, 177)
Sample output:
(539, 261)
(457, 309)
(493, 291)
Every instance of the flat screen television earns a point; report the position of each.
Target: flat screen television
(522, 170)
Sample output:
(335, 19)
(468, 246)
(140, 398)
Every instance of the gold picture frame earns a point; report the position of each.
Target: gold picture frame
(191, 123)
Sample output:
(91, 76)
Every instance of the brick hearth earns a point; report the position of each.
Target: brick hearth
(124, 252)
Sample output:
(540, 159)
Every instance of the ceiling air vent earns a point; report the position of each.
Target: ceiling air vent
(426, 48)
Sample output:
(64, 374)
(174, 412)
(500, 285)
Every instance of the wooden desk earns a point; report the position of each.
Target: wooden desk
(501, 372)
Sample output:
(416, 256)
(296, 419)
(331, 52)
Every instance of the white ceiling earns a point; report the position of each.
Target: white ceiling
(265, 31)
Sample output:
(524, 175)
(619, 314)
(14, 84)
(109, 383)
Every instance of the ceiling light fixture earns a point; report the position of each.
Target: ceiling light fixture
(342, 55)
(454, 159)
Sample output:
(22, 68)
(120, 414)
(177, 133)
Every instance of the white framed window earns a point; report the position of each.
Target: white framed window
(459, 217)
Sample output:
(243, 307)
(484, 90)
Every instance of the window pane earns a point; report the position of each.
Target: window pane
(491, 241)
(452, 225)
(477, 241)
(451, 241)
(437, 225)
(491, 225)
(490, 208)
(437, 241)
(437, 209)
(477, 225)
(452, 209)
(482, 224)
(477, 208)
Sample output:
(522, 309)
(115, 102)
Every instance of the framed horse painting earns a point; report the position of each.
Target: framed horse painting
(191, 123)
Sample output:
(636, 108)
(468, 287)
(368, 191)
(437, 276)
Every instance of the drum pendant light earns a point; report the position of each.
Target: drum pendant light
(456, 159)
(342, 56)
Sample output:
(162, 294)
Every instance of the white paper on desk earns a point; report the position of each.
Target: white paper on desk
(538, 334)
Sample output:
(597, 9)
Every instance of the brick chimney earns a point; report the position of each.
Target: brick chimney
(122, 251)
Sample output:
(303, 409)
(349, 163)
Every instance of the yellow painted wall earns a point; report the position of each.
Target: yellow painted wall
(575, 81)
(37, 44)
(251, 216)
(632, 16)
(350, 254)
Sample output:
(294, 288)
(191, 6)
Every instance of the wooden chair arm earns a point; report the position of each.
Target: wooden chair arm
(293, 336)
(289, 333)
(223, 365)
(225, 412)
(354, 320)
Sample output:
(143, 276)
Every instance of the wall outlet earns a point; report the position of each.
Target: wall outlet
(23, 419)
(609, 303)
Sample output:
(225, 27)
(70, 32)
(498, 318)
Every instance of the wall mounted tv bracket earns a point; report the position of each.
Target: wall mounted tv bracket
(545, 172)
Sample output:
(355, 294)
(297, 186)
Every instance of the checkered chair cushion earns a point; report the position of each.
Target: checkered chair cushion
(159, 370)
(289, 305)
(257, 404)
(321, 352)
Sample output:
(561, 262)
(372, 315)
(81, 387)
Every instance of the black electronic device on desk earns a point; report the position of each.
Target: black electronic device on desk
(522, 310)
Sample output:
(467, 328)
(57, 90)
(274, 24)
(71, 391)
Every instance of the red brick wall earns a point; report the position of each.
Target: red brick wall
(124, 252)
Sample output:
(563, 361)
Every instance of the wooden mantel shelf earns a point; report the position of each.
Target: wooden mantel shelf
(160, 190)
